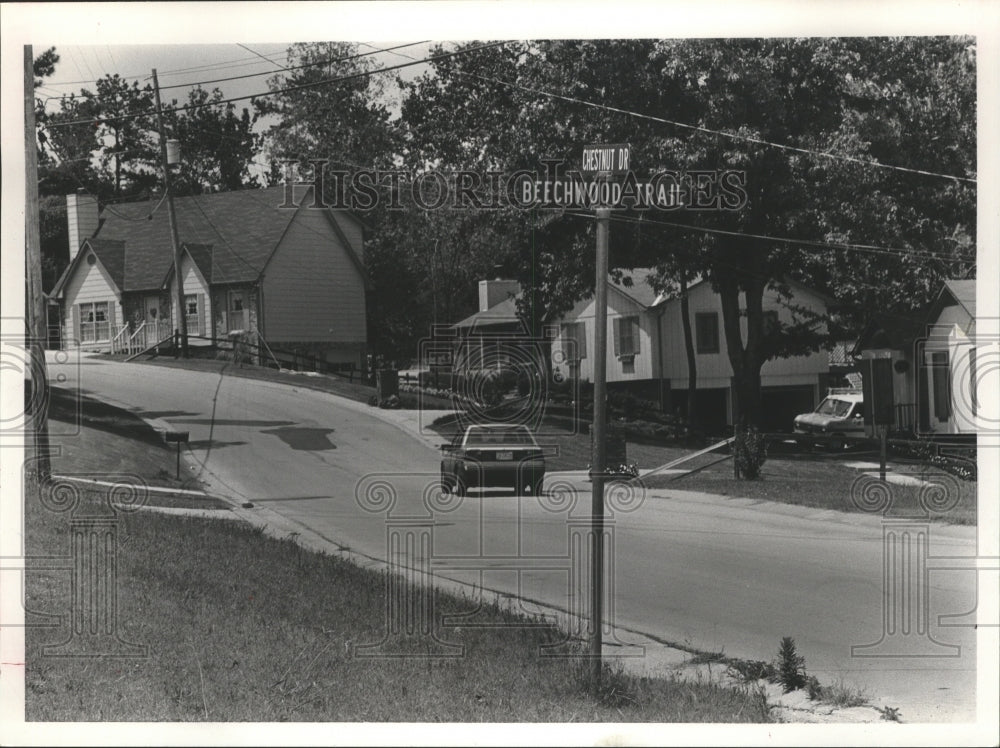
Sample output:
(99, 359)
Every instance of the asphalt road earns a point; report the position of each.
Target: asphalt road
(712, 573)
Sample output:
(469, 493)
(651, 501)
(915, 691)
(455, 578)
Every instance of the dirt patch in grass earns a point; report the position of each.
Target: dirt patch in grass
(242, 627)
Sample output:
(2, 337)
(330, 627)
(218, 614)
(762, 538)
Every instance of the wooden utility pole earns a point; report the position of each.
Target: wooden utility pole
(36, 327)
(178, 277)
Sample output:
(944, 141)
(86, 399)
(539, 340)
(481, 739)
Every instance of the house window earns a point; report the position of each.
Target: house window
(626, 336)
(941, 374)
(574, 337)
(706, 332)
(94, 324)
(191, 312)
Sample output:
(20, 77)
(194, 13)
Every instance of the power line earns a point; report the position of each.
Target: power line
(293, 67)
(723, 133)
(699, 128)
(301, 87)
(241, 62)
(232, 251)
(892, 251)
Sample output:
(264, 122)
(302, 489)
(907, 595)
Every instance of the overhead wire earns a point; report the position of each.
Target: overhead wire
(707, 130)
(288, 89)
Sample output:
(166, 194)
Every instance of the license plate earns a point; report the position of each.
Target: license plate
(505, 455)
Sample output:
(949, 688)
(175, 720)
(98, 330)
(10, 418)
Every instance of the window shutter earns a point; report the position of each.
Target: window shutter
(617, 335)
(201, 314)
(77, 316)
(581, 339)
(112, 319)
(635, 335)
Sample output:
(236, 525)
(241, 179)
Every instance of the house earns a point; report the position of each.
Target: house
(947, 380)
(933, 362)
(292, 278)
(492, 337)
(646, 353)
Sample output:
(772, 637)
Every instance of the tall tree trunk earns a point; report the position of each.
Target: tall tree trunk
(745, 359)
(692, 408)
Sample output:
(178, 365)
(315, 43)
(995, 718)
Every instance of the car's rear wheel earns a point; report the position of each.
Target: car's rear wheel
(536, 490)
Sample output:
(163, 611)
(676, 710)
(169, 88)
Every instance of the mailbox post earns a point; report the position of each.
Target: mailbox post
(178, 438)
(876, 383)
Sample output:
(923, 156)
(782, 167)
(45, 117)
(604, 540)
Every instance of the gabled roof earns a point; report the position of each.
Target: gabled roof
(244, 226)
(111, 255)
(201, 254)
(964, 292)
(640, 290)
(230, 235)
(503, 312)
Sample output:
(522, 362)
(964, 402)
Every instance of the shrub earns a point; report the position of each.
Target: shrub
(750, 452)
(753, 670)
(791, 666)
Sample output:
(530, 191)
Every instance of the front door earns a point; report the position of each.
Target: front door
(237, 310)
(152, 309)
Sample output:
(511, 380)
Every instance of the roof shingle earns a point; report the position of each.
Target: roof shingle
(240, 228)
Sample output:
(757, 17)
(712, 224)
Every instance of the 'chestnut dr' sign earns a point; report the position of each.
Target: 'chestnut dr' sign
(606, 159)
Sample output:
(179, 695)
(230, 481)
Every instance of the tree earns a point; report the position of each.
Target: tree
(217, 145)
(859, 98)
(318, 117)
(44, 65)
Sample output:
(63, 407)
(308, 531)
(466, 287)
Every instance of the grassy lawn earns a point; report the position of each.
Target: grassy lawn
(825, 482)
(241, 627)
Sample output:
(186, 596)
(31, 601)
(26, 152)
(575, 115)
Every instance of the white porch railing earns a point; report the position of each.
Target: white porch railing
(146, 335)
(120, 340)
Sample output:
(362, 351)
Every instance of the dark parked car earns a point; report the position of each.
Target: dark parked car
(493, 455)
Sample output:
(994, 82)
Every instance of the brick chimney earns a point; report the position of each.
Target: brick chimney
(81, 215)
(492, 292)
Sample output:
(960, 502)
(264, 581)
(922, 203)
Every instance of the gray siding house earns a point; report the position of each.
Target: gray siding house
(291, 277)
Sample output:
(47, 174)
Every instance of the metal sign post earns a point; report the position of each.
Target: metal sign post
(599, 459)
(602, 162)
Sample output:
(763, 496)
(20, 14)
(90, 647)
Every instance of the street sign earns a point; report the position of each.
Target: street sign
(606, 159)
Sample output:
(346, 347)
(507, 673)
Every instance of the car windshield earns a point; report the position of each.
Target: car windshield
(834, 407)
(500, 436)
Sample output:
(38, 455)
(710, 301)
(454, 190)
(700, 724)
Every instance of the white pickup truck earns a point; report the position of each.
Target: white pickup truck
(840, 414)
